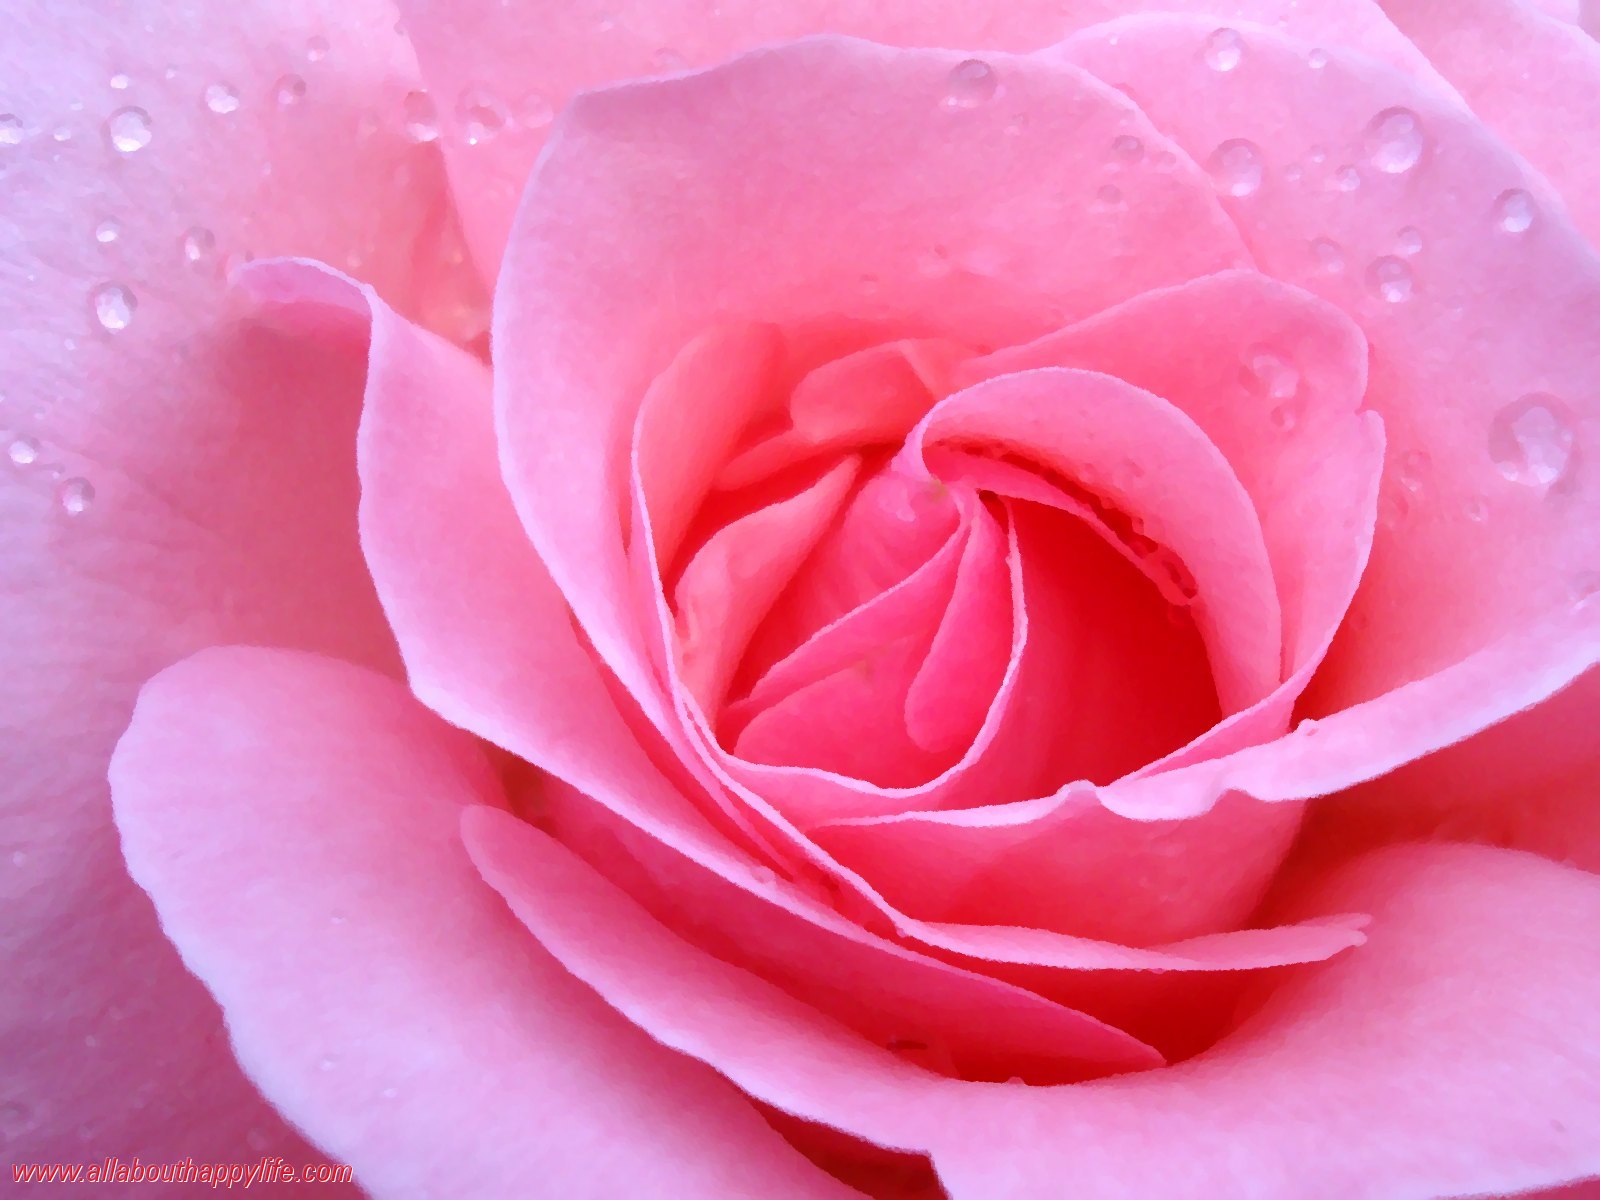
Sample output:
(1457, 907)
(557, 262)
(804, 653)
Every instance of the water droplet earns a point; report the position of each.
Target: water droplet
(129, 129)
(1395, 141)
(62, 133)
(19, 858)
(1531, 441)
(114, 306)
(289, 91)
(1294, 173)
(1224, 49)
(1346, 179)
(970, 84)
(316, 49)
(1391, 280)
(1127, 147)
(1477, 510)
(1413, 470)
(1235, 167)
(1284, 418)
(24, 450)
(1329, 255)
(170, 73)
(1318, 154)
(1270, 376)
(481, 115)
(107, 232)
(120, 82)
(10, 129)
(667, 60)
(1109, 198)
(197, 244)
(221, 98)
(422, 118)
(535, 111)
(1515, 211)
(1317, 59)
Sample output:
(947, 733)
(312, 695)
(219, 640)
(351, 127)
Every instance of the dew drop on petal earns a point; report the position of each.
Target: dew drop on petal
(1317, 59)
(1514, 211)
(421, 116)
(107, 232)
(1531, 441)
(221, 98)
(1284, 418)
(197, 244)
(1409, 240)
(120, 82)
(1329, 255)
(481, 114)
(1109, 198)
(289, 91)
(1346, 179)
(1270, 376)
(128, 129)
(970, 83)
(1477, 510)
(75, 495)
(114, 306)
(23, 450)
(1391, 280)
(1414, 469)
(1224, 50)
(316, 49)
(10, 129)
(1235, 167)
(1127, 147)
(1395, 141)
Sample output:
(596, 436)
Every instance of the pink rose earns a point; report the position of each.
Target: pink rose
(1016, 619)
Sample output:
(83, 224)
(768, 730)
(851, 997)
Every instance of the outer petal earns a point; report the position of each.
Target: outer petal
(1370, 1076)
(479, 52)
(224, 495)
(373, 986)
(1532, 76)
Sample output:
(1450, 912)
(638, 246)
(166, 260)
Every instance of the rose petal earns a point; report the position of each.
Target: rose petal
(483, 51)
(1533, 77)
(372, 985)
(1461, 336)
(212, 469)
(668, 181)
(505, 662)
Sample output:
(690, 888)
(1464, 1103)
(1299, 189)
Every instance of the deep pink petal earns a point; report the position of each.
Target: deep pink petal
(212, 464)
(1532, 76)
(373, 986)
(526, 61)
(1480, 367)
(668, 181)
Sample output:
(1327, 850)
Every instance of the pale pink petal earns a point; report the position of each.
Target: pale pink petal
(373, 986)
(1534, 77)
(1454, 1055)
(524, 62)
(211, 462)
(1480, 365)
(730, 583)
(505, 662)
(667, 181)
(1289, 1097)
(690, 420)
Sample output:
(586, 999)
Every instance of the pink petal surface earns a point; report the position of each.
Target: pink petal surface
(481, 50)
(1532, 76)
(1091, 427)
(667, 181)
(223, 495)
(1480, 320)
(331, 908)
(506, 663)
(1283, 1105)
